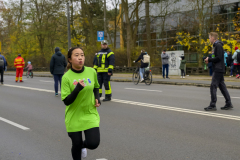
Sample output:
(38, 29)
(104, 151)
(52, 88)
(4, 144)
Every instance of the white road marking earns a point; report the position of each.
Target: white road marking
(210, 114)
(46, 81)
(143, 90)
(231, 97)
(14, 124)
(204, 113)
(30, 88)
(102, 159)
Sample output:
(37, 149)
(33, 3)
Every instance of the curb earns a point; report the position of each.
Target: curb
(155, 82)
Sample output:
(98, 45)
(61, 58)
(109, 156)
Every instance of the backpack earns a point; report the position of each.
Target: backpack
(1, 61)
(146, 58)
(238, 57)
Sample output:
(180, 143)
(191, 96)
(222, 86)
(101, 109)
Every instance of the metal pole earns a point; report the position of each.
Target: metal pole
(105, 29)
(68, 23)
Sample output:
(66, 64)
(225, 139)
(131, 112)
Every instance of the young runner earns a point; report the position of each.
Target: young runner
(80, 94)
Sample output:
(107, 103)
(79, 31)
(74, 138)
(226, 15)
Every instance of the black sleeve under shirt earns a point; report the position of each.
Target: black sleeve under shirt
(96, 94)
(71, 97)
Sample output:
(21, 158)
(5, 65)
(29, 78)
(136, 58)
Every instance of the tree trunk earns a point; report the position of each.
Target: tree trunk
(148, 32)
(115, 28)
(129, 32)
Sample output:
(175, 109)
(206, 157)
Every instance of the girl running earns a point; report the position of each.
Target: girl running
(80, 94)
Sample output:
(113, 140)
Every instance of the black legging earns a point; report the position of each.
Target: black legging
(182, 72)
(92, 140)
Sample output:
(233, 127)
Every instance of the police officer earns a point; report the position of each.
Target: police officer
(104, 67)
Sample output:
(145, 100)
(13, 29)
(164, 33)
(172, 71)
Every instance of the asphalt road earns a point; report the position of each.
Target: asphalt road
(157, 122)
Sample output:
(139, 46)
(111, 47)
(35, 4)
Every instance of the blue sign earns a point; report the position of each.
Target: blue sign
(100, 36)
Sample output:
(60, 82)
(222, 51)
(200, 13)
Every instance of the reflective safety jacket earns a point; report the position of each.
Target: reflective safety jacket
(19, 62)
(105, 61)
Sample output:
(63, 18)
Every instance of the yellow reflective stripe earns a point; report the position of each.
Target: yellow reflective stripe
(103, 58)
(109, 54)
(102, 70)
(110, 67)
(19, 66)
(16, 78)
(110, 89)
(103, 66)
(20, 78)
(100, 90)
(95, 67)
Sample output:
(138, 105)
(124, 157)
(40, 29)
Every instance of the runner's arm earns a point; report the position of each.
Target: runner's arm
(72, 96)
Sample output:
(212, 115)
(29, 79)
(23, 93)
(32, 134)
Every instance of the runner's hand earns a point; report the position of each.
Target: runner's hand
(82, 83)
(97, 104)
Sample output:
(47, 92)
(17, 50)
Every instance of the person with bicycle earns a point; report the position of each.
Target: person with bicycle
(29, 67)
(143, 65)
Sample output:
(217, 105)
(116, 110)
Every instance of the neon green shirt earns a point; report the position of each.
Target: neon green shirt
(82, 113)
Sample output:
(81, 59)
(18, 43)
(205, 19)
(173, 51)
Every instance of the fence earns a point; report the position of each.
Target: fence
(155, 70)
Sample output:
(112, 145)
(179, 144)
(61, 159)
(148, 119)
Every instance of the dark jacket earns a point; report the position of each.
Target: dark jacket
(229, 60)
(218, 57)
(183, 64)
(5, 62)
(105, 61)
(58, 63)
(95, 60)
(143, 65)
(210, 63)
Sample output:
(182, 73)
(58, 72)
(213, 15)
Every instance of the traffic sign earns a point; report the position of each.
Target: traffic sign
(100, 36)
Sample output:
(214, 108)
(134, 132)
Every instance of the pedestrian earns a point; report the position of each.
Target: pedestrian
(210, 64)
(3, 65)
(57, 67)
(218, 74)
(104, 67)
(29, 67)
(183, 66)
(19, 65)
(225, 60)
(143, 65)
(80, 94)
(165, 64)
(236, 62)
(230, 63)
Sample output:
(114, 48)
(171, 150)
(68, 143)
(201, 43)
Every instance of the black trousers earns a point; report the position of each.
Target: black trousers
(218, 81)
(104, 78)
(182, 72)
(92, 140)
(236, 69)
(1, 72)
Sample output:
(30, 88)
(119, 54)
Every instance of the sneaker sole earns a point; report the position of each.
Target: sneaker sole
(210, 109)
(227, 108)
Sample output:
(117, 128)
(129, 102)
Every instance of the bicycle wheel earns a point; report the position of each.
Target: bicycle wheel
(135, 78)
(31, 74)
(27, 74)
(148, 78)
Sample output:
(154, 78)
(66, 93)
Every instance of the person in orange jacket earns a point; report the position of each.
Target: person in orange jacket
(19, 65)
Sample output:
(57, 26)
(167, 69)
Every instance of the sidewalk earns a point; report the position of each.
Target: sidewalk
(200, 81)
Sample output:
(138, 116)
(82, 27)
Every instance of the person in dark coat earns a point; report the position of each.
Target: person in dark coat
(218, 74)
(57, 67)
(183, 66)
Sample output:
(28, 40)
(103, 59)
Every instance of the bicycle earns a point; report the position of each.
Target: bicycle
(30, 74)
(147, 76)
